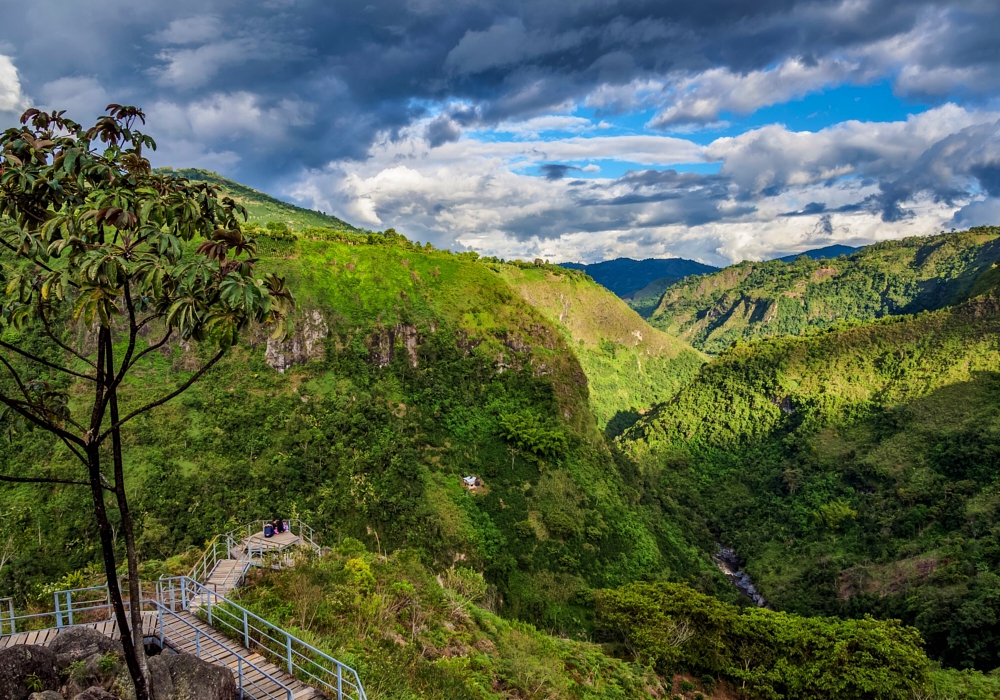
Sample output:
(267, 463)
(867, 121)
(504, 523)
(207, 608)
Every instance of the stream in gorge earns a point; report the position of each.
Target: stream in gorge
(727, 561)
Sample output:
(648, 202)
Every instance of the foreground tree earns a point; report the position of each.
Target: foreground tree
(99, 255)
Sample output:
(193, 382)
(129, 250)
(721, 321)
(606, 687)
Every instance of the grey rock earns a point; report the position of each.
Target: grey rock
(190, 678)
(95, 693)
(21, 662)
(80, 643)
(306, 343)
(46, 695)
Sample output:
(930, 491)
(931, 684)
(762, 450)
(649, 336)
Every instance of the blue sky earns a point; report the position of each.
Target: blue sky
(718, 130)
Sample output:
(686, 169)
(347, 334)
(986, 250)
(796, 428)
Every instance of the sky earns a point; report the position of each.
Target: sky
(572, 131)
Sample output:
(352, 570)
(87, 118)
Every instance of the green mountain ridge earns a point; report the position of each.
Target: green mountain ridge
(766, 299)
(855, 470)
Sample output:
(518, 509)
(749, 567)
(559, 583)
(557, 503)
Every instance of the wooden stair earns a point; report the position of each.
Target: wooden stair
(219, 649)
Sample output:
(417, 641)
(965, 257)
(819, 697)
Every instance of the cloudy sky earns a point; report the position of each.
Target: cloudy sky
(717, 130)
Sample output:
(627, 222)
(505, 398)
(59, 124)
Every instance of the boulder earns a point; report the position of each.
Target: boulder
(95, 693)
(26, 669)
(80, 643)
(46, 695)
(190, 678)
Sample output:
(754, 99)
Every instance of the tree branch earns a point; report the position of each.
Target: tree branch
(17, 378)
(41, 480)
(43, 424)
(18, 252)
(151, 348)
(159, 402)
(48, 331)
(39, 360)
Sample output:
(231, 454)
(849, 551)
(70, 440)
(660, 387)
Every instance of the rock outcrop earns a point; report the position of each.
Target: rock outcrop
(307, 343)
(26, 669)
(185, 677)
(81, 643)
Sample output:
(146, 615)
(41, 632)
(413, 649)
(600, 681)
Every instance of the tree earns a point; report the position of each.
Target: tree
(101, 254)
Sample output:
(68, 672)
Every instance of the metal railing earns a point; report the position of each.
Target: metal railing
(247, 539)
(7, 616)
(300, 659)
(173, 629)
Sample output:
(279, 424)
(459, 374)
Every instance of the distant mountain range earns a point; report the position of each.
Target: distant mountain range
(830, 251)
(625, 275)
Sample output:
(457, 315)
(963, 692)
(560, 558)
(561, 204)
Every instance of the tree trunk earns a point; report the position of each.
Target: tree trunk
(131, 556)
(110, 568)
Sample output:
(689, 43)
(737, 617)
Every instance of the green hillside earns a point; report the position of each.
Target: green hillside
(262, 208)
(644, 301)
(855, 470)
(629, 365)
(768, 299)
(409, 369)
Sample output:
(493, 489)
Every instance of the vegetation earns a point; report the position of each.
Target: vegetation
(263, 209)
(411, 634)
(770, 299)
(94, 235)
(409, 369)
(645, 301)
(855, 470)
(765, 654)
(630, 366)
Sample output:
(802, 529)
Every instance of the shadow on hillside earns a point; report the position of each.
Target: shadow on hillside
(620, 422)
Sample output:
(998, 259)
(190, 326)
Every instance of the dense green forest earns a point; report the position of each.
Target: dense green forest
(768, 299)
(855, 470)
(409, 368)
(853, 466)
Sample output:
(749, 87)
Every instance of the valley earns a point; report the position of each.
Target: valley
(833, 423)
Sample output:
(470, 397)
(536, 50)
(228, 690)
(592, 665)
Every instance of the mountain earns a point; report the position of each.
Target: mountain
(263, 208)
(629, 365)
(409, 369)
(768, 299)
(624, 275)
(830, 251)
(855, 471)
(644, 301)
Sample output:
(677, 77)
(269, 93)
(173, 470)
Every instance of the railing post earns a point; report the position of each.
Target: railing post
(159, 623)
(340, 682)
(239, 672)
(288, 650)
(208, 602)
(69, 606)
(246, 630)
(183, 594)
(59, 617)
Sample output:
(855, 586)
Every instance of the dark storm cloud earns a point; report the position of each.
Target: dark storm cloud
(329, 76)
(556, 171)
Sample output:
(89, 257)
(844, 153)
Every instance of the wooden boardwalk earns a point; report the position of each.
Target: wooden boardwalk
(185, 632)
(108, 628)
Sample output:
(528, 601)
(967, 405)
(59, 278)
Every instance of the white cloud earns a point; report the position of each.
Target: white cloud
(702, 97)
(11, 97)
(773, 156)
(982, 212)
(83, 98)
(487, 195)
(551, 122)
(194, 67)
(229, 116)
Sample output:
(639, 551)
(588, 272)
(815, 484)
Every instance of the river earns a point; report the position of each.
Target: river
(729, 564)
